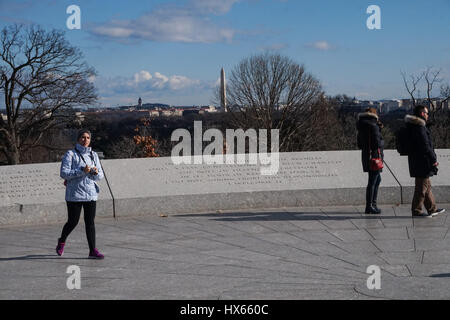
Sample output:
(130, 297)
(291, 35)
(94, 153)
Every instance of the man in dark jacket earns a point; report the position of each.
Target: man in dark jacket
(371, 143)
(422, 163)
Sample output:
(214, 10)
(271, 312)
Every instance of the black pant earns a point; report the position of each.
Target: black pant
(74, 211)
(372, 188)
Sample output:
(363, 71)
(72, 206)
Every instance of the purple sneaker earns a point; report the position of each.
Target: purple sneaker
(60, 248)
(95, 254)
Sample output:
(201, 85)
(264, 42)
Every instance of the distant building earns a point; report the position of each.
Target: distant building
(166, 113)
(177, 112)
(405, 104)
(140, 102)
(153, 113)
(4, 117)
(208, 109)
(79, 117)
(438, 102)
(388, 105)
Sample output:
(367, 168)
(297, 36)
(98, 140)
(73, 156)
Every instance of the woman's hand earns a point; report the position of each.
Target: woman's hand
(95, 169)
(87, 169)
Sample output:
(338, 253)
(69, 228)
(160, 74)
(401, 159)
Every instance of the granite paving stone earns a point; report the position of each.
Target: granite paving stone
(430, 270)
(394, 245)
(436, 257)
(427, 233)
(394, 258)
(287, 253)
(432, 244)
(388, 233)
(361, 246)
(368, 221)
(352, 235)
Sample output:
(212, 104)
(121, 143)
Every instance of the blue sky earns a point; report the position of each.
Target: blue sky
(172, 51)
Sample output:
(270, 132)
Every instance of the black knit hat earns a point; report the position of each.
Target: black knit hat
(81, 132)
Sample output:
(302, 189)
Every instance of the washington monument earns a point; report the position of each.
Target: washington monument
(223, 91)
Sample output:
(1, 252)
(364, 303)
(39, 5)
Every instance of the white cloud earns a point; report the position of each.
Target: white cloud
(172, 23)
(152, 87)
(321, 45)
(275, 47)
(144, 82)
(91, 79)
(159, 81)
(113, 31)
(213, 6)
(181, 82)
(142, 76)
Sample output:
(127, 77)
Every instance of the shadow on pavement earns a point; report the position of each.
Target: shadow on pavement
(286, 216)
(40, 257)
(440, 275)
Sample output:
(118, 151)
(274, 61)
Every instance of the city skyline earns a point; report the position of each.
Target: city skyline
(172, 51)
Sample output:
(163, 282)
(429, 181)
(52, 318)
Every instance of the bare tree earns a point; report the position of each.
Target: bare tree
(411, 86)
(445, 93)
(41, 75)
(325, 131)
(270, 91)
(431, 77)
(125, 147)
(439, 117)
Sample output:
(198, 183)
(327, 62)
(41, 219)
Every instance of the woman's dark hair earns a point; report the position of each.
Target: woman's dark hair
(83, 131)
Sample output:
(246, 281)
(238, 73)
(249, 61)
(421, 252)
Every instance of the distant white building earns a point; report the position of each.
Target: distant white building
(79, 117)
(154, 113)
(208, 109)
(389, 105)
(4, 117)
(405, 104)
(437, 102)
(166, 113)
(177, 112)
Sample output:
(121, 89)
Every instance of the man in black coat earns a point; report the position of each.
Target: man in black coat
(422, 162)
(371, 143)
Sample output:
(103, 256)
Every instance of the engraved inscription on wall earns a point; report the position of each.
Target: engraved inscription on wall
(29, 183)
(444, 158)
(295, 169)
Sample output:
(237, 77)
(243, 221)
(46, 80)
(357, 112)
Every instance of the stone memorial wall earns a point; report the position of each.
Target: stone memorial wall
(35, 193)
(32, 194)
(149, 186)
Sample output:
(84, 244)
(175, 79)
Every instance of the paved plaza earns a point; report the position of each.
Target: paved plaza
(290, 253)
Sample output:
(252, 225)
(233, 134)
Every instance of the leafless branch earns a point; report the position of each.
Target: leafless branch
(270, 91)
(41, 73)
(412, 87)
